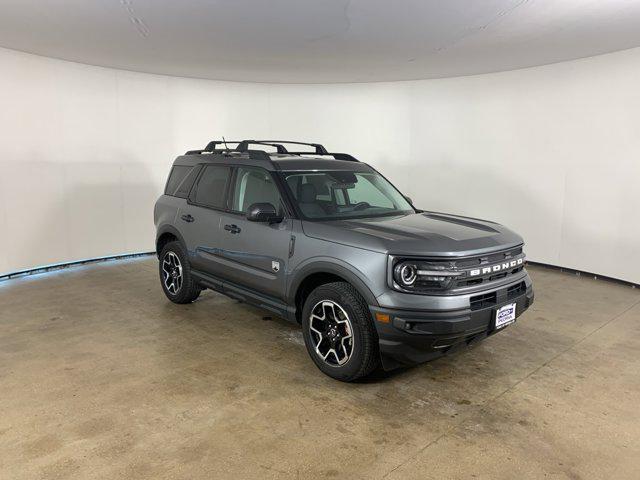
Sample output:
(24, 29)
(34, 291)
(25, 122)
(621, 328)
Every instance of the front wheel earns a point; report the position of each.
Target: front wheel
(175, 274)
(339, 333)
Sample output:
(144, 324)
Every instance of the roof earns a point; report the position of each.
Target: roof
(311, 162)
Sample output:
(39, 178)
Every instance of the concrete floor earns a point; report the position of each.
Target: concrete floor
(102, 377)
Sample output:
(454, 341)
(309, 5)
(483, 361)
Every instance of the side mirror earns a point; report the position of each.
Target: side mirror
(408, 199)
(263, 212)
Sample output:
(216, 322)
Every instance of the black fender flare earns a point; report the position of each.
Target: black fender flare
(167, 228)
(332, 266)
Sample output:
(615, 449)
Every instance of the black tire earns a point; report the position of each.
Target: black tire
(187, 290)
(363, 356)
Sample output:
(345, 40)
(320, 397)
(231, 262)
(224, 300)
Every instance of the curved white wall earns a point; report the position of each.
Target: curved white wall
(553, 152)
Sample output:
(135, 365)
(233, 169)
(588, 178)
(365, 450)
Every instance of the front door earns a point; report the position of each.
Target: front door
(255, 254)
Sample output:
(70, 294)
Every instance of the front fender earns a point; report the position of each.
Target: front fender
(332, 266)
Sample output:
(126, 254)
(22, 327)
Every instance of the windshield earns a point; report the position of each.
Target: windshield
(343, 194)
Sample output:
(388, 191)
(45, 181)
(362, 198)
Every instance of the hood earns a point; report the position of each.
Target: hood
(423, 234)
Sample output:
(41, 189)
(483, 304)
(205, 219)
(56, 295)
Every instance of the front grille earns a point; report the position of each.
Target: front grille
(467, 282)
(487, 259)
(479, 302)
(458, 273)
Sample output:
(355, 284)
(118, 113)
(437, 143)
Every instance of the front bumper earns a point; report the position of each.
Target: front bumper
(412, 336)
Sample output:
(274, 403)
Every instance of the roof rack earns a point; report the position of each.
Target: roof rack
(211, 147)
(318, 149)
(243, 147)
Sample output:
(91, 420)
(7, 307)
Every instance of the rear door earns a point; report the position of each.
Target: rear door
(255, 253)
(199, 219)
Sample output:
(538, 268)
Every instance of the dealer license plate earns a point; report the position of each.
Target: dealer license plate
(505, 315)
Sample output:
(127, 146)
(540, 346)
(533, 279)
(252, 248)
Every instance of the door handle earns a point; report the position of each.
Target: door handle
(232, 228)
(187, 218)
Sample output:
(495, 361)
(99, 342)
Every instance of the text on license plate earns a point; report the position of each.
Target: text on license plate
(505, 315)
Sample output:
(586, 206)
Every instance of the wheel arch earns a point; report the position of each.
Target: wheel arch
(166, 234)
(318, 273)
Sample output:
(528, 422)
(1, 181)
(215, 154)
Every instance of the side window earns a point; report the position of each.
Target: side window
(211, 187)
(185, 186)
(177, 175)
(254, 185)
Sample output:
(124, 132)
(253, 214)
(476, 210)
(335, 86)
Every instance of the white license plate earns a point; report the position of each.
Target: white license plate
(505, 315)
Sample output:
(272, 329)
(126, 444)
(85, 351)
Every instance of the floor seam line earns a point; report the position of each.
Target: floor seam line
(432, 442)
(571, 347)
(483, 408)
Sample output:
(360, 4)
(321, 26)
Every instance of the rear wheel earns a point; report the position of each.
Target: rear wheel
(175, 274)
(339, 333)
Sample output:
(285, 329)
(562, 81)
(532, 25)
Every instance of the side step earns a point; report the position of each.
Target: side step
(237, 292)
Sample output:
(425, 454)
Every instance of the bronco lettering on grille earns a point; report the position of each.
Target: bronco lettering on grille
(496, 268)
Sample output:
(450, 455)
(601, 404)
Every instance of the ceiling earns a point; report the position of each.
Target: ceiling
(319, 41)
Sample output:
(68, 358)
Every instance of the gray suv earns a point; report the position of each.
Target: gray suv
(326, 241)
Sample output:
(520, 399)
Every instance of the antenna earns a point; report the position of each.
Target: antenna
(225, 144)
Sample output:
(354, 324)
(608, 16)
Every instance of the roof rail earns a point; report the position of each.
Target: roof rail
(337, 156)
(259, 155)
(344, 156)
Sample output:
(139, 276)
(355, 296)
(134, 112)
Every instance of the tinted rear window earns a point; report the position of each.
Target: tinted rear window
(185, 187)
(178, 173)
(212, 186)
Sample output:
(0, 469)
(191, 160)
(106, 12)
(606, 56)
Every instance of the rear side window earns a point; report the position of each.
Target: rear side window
(177, 175)
(185, 187)
(212, 186)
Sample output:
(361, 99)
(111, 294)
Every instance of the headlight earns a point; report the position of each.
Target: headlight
(421, 276)
(406, 274)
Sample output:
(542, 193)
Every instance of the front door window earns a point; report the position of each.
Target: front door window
(254, 185)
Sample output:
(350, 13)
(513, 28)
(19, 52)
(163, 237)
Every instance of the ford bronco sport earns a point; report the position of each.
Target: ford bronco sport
(325, 240)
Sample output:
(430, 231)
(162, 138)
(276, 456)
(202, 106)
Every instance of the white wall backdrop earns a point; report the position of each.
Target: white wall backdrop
(553, 152)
